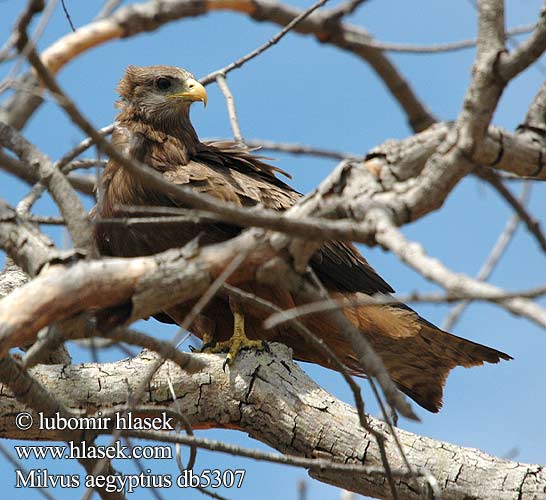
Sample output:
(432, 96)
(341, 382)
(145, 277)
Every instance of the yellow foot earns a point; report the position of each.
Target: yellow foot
(236, 343)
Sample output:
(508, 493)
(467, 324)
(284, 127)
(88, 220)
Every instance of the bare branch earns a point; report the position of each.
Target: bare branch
(413, 254)
(485, 89)
(107, 9)
(232, 111)
(83, 146)
(493, 258)
(28, 248)
(83, 183)
(534, 124)
(262, 48)
(299, 149)
(110, 282)
(533, 225)
(344, 9)
(406, 48)
(18, 465)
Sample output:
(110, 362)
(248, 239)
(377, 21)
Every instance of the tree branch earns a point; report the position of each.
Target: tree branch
(413, 254)
(252, 395)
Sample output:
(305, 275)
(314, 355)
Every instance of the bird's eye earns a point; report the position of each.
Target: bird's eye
(163, 83)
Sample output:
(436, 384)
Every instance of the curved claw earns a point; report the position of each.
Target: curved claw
(208, 347)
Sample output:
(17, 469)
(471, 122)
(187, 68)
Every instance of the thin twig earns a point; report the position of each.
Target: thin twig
(413, 254)
(232, 111)
(24, 206)
(533, 226)
(83, 163)
(239, 62)
(301, 149)
(382, 452)
(138, 463)
(107, 9)
(25, 18)
(193, 449)
(443, 47)
(286, 315)
(493, 258)
(25, 172)
(189, 431)
(206, 206)
(83, 146)
(8, 52)
(67, 15)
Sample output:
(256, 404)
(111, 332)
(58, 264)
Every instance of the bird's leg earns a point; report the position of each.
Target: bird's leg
(238, 340)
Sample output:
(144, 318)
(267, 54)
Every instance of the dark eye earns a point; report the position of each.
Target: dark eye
(163, 83)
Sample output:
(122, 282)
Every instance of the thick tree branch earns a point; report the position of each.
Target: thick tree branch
(269, 397)
(109, 282)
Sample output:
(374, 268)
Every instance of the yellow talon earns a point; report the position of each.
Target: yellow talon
(237, 342)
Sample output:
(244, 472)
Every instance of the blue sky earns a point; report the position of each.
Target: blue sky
(286, 95)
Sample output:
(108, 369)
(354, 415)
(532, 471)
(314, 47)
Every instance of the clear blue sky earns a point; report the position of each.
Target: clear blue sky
(286, 95)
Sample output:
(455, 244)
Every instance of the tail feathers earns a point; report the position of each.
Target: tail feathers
(466, 352)
(419, 361)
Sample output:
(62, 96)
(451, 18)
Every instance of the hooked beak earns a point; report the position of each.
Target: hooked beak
(195, 92)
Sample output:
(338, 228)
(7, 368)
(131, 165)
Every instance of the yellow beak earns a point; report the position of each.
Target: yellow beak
(195, 92)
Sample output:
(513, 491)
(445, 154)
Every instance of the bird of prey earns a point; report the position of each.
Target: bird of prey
(153, 126)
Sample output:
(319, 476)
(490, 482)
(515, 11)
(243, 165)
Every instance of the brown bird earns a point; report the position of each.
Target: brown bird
(154, 127)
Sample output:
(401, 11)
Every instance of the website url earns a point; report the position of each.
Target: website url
(83, 450)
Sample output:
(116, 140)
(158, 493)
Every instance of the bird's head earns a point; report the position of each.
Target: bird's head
(162, 93)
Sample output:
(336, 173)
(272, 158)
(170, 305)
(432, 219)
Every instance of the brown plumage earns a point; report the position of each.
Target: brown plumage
(154, 127)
